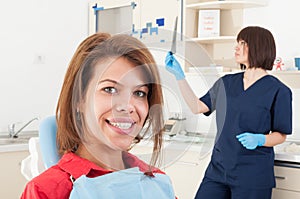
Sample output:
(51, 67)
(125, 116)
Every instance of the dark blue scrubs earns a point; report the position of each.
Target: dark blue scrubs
(264, 107)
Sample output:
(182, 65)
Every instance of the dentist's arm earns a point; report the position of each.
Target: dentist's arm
(274, 138)
(195, 105)
(193, 102)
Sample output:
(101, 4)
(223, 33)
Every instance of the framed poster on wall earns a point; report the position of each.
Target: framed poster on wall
(209, 23)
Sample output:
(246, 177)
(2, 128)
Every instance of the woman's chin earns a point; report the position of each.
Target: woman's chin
(122, 145)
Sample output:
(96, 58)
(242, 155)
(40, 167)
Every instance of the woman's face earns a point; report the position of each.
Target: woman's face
(120, 102)
(241, 53)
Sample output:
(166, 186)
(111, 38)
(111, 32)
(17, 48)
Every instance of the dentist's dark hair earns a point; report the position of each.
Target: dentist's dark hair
(261, 47)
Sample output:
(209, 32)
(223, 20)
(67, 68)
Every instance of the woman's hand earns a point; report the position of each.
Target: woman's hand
(251, 140)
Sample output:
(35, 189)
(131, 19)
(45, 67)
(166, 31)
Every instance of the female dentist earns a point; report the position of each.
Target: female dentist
(253, 114)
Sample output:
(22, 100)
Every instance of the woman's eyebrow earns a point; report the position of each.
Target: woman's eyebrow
(142, 85)
(117, 83)
(108, 80)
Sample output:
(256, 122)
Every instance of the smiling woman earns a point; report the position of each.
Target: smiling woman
(110, 93)
(128, 116)
(120, 106)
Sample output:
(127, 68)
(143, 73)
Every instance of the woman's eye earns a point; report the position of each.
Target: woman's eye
(110, 90)
(242, 43)
(140, 94)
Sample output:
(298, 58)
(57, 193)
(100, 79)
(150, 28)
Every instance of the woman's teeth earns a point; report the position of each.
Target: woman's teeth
(121, 125)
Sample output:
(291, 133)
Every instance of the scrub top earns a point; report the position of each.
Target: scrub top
(264, 107)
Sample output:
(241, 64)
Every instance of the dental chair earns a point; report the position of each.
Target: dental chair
(47, 136)
(42, 149)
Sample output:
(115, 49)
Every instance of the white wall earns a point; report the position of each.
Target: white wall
(48, 28)
(281, 18)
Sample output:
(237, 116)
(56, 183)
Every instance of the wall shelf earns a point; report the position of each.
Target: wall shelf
(219, 48)
(226, 5)
(214, 40)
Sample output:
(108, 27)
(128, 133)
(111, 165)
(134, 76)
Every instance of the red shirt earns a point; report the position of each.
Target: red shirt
(55, 182)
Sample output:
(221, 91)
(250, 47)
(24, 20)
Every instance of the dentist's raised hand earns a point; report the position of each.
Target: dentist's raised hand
(251, 140)
(173, 66)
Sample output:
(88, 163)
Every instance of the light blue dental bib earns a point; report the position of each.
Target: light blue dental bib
(126, 184)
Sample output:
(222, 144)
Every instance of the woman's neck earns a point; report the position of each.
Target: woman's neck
(253, 74)
(110, 160)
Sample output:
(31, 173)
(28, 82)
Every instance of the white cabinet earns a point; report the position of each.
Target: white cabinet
(12, 181)
(220, 48)
(282, 194)
(287, 181)
(187, 173)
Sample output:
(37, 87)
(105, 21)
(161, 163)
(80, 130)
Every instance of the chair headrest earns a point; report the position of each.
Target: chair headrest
(47, 135)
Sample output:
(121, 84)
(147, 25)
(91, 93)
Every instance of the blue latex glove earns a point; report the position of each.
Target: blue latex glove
(173, 66)
(250, 140)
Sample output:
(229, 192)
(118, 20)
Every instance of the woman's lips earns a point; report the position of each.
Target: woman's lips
(121, 126)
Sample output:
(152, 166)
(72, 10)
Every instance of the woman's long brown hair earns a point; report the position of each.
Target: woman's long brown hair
(95, 48)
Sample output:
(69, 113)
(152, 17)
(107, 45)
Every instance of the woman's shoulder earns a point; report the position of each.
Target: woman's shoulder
(231, 78)
(53, 174)
(133, 161)
(58, 173)
(279, 84)
(232, 75)
(52, 183)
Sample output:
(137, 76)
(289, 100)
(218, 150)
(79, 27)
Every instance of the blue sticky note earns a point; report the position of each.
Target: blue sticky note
(152, 30)
(133, 29)
(141, 35)
(160, 22)
(144, 30)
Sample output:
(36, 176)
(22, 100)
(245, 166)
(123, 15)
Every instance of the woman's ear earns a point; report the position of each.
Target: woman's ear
(78, 114)
(79, 110)
(242, 66)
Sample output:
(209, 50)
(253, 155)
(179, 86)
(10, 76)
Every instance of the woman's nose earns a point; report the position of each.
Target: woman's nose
(124, 103)
(125, 107)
